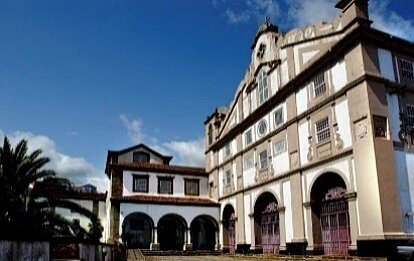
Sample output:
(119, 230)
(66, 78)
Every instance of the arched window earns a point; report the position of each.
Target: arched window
(210, 134)
(141, 156)
(262, 87)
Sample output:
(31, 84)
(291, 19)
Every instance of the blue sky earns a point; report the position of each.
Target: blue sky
(80, 77)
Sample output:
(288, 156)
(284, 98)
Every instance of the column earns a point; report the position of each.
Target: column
(154, 244)
(217, 246)
(353, 223)
(187, 244)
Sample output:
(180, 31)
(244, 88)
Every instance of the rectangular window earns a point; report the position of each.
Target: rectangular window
(262, 88)
(140, 183)
(410, 115)
(248, 162)
(380, 126)
(211, 189)
(323, 132)
(407, 71)
(248, 137)
(319, 85)
(165, 185)
(280, 146)
(228, 177)
(278, 115)
(263, 159)
(227, 151)
(192, 187)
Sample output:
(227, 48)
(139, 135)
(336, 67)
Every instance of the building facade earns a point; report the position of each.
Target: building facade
(154, 205)
(315, 153)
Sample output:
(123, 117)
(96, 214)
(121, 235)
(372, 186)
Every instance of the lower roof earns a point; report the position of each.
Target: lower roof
(167, 200)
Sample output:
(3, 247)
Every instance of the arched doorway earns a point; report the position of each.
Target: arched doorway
(330, 215)
(137, 231)
(266, 223)
(171, 229)
(203, 233)
(229, 229)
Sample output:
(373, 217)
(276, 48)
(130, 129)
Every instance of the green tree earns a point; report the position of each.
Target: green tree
(28, 196)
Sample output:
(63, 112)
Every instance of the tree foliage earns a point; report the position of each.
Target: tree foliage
(27, 198)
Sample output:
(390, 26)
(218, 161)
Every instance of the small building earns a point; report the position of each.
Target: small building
(154, 205)
(315, 153)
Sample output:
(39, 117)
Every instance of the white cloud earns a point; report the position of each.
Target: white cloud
(234, 18)
(134, 128)
(390, 21)
(76, 169)
(240, 12)
(190, 152)
(304, 12)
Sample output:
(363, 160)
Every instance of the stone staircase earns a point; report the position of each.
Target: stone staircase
(135, 255)
(147, 252)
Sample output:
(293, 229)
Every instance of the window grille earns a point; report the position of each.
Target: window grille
(410, 115)
(263, 159)
(248, 137)
(262, 87)
(278, 116)
(319, 85)
(407, 71)
(322, 130)
(165, 186)
(192, 187)
(280, 146)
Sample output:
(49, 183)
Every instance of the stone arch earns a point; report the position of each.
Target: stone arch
(330, 214)
(266, 223)
(137, 230)
(203, 232)
(229, 229)
(171, 230)
(325, 171)
(266, 191)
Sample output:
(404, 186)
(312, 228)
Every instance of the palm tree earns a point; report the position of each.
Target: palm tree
(27, 196)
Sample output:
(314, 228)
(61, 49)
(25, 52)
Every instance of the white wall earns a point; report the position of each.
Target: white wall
(344, 124)
(339, 79)
(287, 202)
(386, 66)
(301, 100)
(178, 183)
(393, 116)
(156, 212)
(303, 133)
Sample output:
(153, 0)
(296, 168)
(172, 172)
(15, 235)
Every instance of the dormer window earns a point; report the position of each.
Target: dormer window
(262, 87)
(141, 157)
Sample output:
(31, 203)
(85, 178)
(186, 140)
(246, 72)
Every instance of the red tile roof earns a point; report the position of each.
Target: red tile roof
(159, 168)
(167, 200)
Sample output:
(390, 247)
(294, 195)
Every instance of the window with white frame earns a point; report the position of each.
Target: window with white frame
(278, 116)
(248, 162)
(323, 132)
(140, 183)
(227, 151)
(248, 137)
(319, 86)
(262, 87)
(262, 128)
(279, 147)
(263, 159)
(407, 70)
(410, 115)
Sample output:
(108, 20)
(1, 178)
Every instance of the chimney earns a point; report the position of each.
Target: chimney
(354, 11)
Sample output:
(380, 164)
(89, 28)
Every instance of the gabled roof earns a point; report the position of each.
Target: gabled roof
(166, 159)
